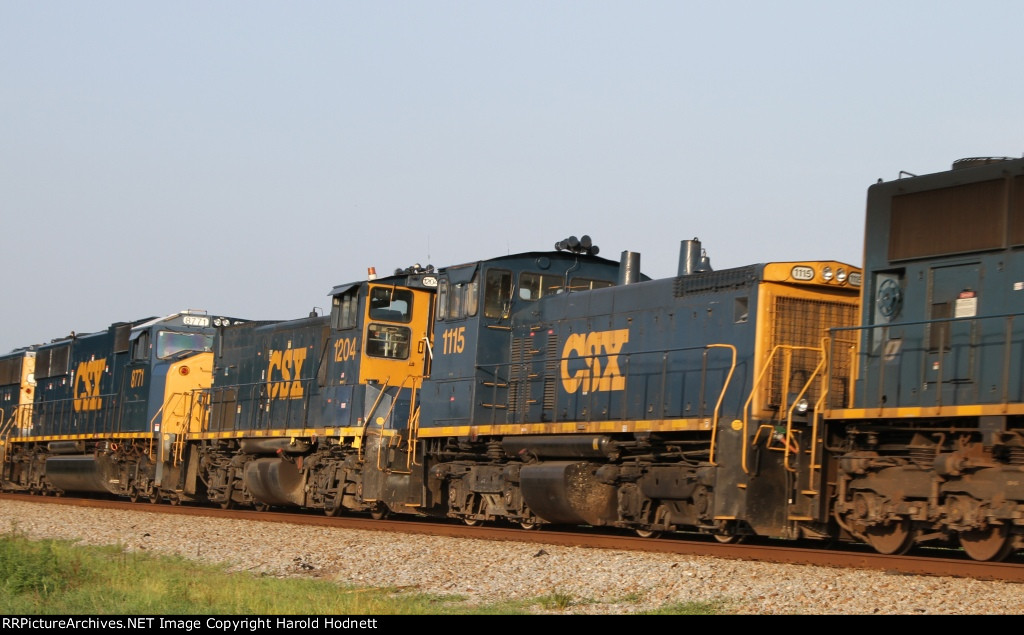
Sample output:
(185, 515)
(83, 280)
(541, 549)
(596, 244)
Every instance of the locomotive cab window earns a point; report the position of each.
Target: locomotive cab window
(497, 293)
(345, 309)
(390, 304)
(140, 346)
(169, 343)
(534, 286)
(456, 300)
(388, 340)
(586, 284)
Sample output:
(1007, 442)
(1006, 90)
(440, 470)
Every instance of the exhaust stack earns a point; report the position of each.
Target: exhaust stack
(693, 259)
(629, 267)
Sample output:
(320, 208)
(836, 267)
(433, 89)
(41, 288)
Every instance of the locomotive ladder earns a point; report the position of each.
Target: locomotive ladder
(412, 383)
(9, 429)
(785, 438)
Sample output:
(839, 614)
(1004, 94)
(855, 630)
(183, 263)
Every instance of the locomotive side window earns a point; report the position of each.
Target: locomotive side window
(741, 309)
(387, 340)
(472, 296)
(388, 303)
(586, 284)
(442, 298)
(140, 347)
(345, 314)
(534, 286)
(457, 300)
(168, 343)
(497, 292)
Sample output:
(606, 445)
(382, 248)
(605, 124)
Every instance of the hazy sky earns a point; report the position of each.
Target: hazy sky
(245, 157)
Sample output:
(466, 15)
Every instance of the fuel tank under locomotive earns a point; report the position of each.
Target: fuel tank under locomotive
(83, 473)
(275, 480)
(568, 492)
(565, 492)
(599, 489)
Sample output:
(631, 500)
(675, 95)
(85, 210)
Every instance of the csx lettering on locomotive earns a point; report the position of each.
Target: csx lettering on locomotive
(87, 385)
(284, 372)
(590, 361)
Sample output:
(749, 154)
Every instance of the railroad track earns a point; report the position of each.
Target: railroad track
(923, 561)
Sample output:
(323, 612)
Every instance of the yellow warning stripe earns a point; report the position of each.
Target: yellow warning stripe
(974, 410)
(570, 427)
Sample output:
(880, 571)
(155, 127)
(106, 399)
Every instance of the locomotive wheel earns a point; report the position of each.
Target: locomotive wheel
(727, 534)
(332, 508)
(472, 522)
(648, 533)
(527, 525)
(379, 512)
(895, 538)
(989, 545)
(728, 539)
(154, 497)
(260, 507)
(227, 504)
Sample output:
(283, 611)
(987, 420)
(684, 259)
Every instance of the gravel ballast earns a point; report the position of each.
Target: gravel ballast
(596, 580)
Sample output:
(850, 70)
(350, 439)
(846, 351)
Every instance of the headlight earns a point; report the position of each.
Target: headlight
(801, 406)
(826, 273)
(841, 275)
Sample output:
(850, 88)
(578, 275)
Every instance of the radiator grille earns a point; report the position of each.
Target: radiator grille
(805, 322)
(552, 372)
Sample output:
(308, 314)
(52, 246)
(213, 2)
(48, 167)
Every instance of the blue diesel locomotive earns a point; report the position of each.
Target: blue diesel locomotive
(808, 399)
(929, 440)
(105, 412)
(296, 407)
(683, 403)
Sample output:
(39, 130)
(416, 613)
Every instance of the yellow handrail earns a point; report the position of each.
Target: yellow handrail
(152, 422)
(369, 418)
(413, 423)
(784, 406)
(721, 397)
(796, 400)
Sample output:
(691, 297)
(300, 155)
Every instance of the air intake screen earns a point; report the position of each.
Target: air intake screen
(804, 323)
